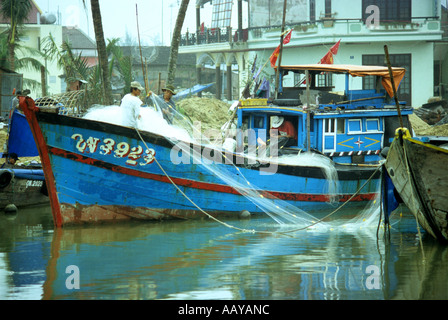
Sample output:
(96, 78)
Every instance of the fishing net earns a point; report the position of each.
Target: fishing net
(184, 135)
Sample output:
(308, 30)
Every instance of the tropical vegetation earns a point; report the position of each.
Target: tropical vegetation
(16, 12)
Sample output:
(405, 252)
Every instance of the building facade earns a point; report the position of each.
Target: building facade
(413, 30)
(38, 27)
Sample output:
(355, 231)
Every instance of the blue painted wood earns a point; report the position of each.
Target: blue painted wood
(75, 147)
(102, 169)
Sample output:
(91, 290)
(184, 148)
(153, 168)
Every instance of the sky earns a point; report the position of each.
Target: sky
(156, 18)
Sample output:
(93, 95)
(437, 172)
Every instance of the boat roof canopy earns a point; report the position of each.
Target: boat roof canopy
(355, 71)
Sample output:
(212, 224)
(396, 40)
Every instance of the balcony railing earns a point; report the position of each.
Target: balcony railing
(216, 35)
(229, 35)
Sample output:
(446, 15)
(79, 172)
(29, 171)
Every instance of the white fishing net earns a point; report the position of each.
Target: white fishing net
(184, 135)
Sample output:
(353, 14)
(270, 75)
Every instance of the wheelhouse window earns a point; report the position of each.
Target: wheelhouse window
(390, 11)
(330, 126)
(259, 122)
(341, 126)
(373, 125)
(325, 79)
(354, 126)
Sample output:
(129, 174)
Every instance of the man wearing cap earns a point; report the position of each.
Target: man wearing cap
(170, 107)
(130, 105)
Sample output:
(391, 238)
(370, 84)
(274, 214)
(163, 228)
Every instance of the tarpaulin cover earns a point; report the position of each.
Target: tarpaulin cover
(357, 71)
(21, 139)
(188, 92)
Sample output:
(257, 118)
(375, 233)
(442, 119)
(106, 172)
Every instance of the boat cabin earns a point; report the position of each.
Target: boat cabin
(349, 126)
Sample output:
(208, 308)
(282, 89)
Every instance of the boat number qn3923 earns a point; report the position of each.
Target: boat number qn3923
(118, 150)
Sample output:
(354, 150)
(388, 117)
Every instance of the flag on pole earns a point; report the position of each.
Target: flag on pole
(288, 37)
(202, 28)
(328, 57)
(274, 56)
(334, 49)
(276, 52)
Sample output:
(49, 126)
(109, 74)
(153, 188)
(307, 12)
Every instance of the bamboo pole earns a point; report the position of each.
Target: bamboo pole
(141, 55)
(277, 73)
(391, 74)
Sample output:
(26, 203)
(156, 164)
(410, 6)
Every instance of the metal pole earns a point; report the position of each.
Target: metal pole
(308, 111)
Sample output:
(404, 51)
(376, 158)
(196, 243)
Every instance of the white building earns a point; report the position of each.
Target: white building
(38, 27)
(413, 30)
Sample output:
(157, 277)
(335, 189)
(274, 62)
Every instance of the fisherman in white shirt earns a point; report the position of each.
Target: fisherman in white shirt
(131, 104)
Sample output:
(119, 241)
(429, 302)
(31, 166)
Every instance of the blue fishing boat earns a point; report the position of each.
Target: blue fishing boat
(97, 171)
(21, 185)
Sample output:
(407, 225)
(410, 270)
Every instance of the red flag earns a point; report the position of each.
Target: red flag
(202, 28)
(328, 58)
(276, 52)
(274, 56)
(334, 49)
(288, 37)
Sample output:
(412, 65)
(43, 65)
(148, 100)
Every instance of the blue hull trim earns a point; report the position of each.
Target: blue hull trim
(91, 176)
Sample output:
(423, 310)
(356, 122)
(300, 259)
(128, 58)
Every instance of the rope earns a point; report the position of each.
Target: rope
(343, 205)
(192, 202)
(246, 230)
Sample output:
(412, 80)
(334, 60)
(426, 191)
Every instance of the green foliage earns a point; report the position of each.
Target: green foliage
(27, 63)
(119, 64)
(76, 67)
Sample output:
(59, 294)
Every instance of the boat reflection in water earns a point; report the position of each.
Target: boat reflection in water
(206, 260)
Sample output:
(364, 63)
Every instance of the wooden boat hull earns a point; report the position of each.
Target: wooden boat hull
(419, 173)
(22, 188)
(99, 172)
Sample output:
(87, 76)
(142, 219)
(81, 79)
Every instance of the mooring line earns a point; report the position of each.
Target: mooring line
(285, 233)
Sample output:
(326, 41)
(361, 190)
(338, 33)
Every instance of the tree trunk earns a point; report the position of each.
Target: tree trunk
(102, 54)
(11, 56)
(175, 41)
(43, 80)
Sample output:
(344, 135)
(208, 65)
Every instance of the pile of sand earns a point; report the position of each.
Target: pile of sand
(421, 128)
(441, 130)
(418, 124)
(212, 113)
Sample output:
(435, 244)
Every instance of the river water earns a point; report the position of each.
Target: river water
(206, 260)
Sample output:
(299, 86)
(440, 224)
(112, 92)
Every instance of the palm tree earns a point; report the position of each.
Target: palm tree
(175, 41)
(28, 62)
(120, 64)
(102, 52)
(16, 11)
(76, 67)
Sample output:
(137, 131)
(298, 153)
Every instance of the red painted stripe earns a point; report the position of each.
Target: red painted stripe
(203, 185)
(29, 108)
